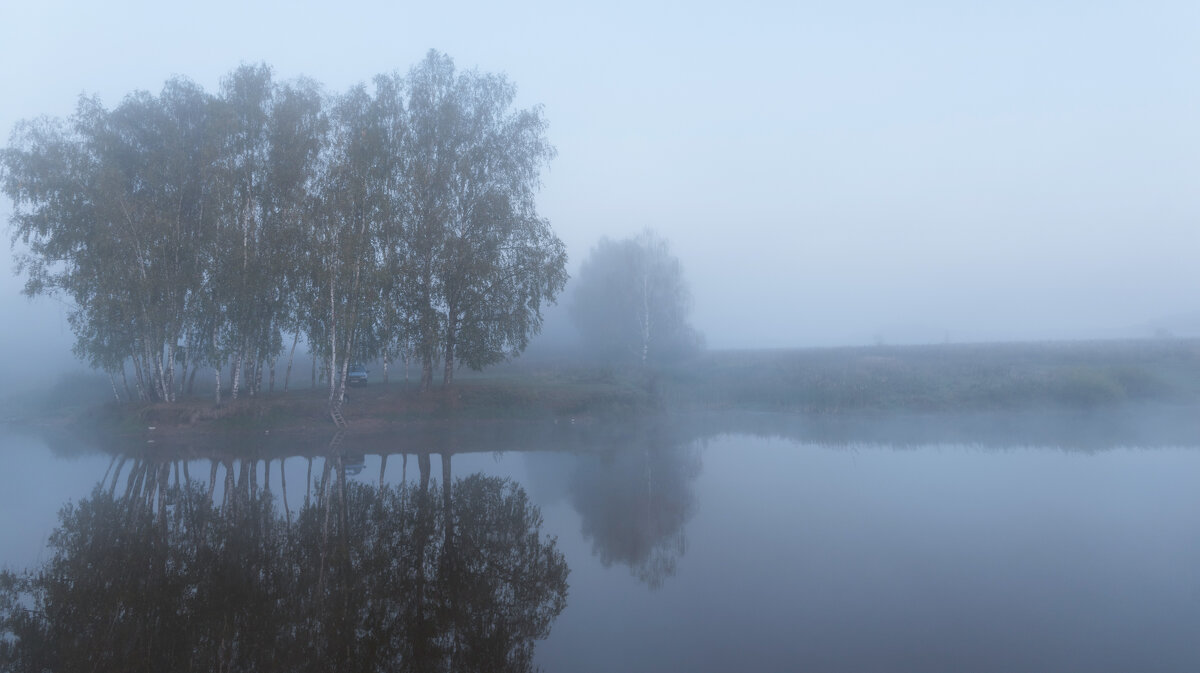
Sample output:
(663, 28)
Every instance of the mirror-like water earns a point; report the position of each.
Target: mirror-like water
(682, 551)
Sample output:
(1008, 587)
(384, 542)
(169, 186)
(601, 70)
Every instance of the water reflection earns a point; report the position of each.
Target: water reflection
(634, 503)
(165, 574)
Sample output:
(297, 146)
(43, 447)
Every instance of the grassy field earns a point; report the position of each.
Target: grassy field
(940, 377)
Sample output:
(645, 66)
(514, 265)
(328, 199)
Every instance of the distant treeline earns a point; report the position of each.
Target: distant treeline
(191, 230)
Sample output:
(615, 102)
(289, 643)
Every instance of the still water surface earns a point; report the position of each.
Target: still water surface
(742, 551)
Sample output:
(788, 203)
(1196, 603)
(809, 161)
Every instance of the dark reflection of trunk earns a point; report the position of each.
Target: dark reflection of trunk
(447, 577)
(445, 479)
(308, 482)
(447, 514)
(116, 475)
(424, 466)
(287, 511)
(109, 470)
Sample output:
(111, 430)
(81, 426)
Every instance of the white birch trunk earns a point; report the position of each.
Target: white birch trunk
(287, 375)
(236, 375)
(169, 382)
(332, 341)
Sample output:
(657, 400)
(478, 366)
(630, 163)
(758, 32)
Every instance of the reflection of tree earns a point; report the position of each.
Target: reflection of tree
(634, 504)
(401, 578)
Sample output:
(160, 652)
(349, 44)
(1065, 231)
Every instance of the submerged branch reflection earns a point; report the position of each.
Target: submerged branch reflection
(162, 576)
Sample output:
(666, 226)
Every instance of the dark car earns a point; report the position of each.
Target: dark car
(357, 376)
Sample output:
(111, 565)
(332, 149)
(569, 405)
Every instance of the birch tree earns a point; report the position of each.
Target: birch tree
(482, 262)
(109, 208)
(343, 259)
(273, 135)
(631, 301)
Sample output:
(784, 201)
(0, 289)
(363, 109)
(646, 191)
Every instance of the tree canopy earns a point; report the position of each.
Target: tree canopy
(193, 229)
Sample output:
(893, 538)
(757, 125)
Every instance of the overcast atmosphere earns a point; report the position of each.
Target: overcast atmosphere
(828, 173)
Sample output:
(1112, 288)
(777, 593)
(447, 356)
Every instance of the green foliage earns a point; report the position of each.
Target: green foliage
(195, 229)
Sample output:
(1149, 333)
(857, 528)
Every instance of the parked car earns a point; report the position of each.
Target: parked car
(357, 376)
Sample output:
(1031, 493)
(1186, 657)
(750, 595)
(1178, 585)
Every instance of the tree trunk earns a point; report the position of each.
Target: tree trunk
(125, 382)
(183, 370)
(341, 386)
(163, 373)
(169, 383)
(137, 378)
(332, 342)
(287, 374)
(253, 367)
(217, 388)
(451, 333)
(160, 379)
(426, 374)
(235, 375)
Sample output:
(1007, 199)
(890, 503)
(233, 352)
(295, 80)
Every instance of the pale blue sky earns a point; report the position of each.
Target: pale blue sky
(829, 173)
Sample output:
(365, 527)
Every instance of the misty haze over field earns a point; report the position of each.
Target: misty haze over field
(828, 175)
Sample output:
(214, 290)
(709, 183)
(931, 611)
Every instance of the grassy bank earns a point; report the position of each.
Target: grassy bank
(941, 378)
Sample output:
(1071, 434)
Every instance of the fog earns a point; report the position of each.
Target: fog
(845, 173)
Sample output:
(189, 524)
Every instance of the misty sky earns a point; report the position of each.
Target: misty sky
(828, 173)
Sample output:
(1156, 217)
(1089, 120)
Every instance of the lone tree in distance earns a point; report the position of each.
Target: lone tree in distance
(631, 301)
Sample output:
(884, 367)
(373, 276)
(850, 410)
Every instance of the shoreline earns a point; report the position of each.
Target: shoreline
(827, 384)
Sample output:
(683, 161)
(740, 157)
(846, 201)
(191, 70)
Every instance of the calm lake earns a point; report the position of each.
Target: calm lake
(1001, 543)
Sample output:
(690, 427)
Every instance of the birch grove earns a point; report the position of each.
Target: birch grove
(190, 230)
